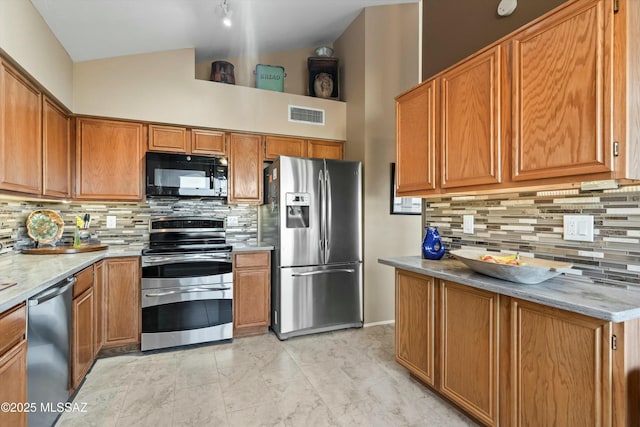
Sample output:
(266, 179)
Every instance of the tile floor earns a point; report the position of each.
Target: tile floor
(341, 378)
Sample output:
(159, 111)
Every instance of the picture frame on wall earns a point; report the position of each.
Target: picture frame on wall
(403, 205)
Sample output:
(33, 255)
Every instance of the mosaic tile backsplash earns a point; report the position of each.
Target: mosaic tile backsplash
(532, 223)
(132, 219)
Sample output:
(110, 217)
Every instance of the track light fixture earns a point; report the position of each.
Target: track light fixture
(226, 13)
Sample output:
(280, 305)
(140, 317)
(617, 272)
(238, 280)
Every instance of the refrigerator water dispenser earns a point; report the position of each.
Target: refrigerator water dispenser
(297, 210)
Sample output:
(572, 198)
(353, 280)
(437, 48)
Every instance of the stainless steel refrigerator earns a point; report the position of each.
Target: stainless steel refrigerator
(313, 217)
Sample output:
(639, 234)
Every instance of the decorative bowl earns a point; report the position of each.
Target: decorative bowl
(44, 225)
(325, 51)
(533, 271)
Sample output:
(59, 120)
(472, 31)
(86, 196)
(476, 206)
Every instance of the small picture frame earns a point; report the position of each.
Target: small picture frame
(403, 205)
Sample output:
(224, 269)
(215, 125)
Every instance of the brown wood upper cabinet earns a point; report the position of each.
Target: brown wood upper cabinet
(416, 121)
(109, 159)
(56, 149)
(552, 104)
(319, 149)
(562, 94)
(245, 168)
(275, 146)
(189, 141)
(20, 133)
(471, 116)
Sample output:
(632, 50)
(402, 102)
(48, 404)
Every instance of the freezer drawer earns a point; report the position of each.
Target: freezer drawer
(318, 298)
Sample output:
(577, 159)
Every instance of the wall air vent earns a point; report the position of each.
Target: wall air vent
(307, 115)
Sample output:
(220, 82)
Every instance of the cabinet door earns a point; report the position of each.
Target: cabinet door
(252, 293)
(122, 295)
(56, 149)
(208, 142)
(20, 133)
(245, 168)
(324, 149)
(562, 371)
(13, 377)
(109, 159)
(416, 121)
(171, 139)
(561, 96)
(469, 349)
(275, 146)
(82, 347)
(98, 298)
(470, 114)
(415, 324)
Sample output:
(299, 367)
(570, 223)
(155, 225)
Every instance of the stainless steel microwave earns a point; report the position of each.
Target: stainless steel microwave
(184, 175)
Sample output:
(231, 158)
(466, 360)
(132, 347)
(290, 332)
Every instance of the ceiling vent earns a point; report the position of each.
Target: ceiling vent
(308, 115)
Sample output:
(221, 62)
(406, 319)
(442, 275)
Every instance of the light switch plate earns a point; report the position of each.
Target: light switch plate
(111, 221)
(467, 224)
(232, 221)
(578, 227)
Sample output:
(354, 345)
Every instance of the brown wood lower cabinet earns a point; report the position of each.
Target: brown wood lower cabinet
(13, 364)
(82, 342)
(83, 324)
(508, 362)
(98, 299)
(469, 349)
(251, 293)
(562, 364)
(415, 324)
(122, 301)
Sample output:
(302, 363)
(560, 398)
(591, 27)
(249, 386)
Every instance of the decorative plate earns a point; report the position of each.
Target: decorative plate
(44, 226)
(531, 271)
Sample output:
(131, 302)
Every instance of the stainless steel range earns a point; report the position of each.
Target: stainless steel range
(187, 283)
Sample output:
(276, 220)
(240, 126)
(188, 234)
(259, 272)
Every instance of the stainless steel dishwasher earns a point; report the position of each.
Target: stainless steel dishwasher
(48, 344)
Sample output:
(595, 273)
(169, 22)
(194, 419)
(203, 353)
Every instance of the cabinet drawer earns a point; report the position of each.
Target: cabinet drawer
(13, 324)
(85, 281)
(252, 260)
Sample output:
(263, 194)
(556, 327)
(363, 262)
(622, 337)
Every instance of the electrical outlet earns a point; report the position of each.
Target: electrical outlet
(578, 227)
(467, 224)
(232, 221)
(111, 221)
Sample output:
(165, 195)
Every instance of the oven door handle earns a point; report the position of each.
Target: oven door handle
(185, 291)
(151, 261)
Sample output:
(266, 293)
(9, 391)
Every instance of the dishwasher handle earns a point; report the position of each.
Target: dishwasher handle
(46, 296)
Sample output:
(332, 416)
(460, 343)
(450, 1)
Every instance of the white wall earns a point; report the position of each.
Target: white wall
(27, 39)
(161, 87)
(380, 59)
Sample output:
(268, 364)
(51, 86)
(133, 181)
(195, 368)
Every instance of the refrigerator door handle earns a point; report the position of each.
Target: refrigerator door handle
(315, 273)
(327, 216)
(323, 222)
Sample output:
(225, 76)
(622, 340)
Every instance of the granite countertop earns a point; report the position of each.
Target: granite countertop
(575, 295)
(35, 273)
(260, 246)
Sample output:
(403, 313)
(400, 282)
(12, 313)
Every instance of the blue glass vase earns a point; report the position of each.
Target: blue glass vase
(432, 247)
